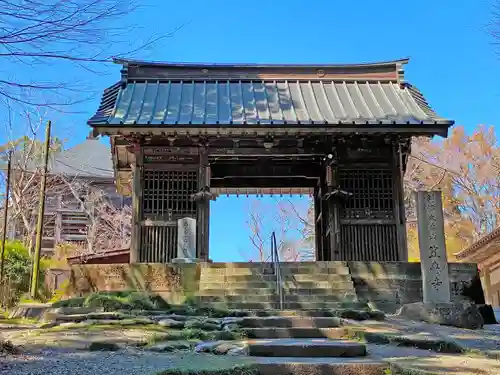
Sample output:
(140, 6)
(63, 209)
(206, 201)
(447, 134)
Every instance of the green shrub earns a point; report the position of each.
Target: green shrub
(17, 270)
(112, 301)
(71, 302)
(106, 302)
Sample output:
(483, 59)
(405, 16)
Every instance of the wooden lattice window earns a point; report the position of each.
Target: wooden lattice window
(158, 244)
(370, 242)
(167, 192)
(372, 193)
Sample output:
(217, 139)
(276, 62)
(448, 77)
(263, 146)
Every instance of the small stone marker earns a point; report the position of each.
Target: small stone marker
(431, 239)
(186, 238)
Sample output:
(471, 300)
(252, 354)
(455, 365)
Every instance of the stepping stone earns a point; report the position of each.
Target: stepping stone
(296, 333)
(290, 321)
(320, 366)
(305, 348)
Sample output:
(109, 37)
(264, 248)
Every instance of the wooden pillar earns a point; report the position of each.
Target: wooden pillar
(203, 208)
(399, 204)
(135, 243)
(318, 227)
(333, 209)
(327, 228)
(486, 282)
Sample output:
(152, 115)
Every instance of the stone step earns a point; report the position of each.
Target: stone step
(319, 366)
(272, 278)
(341, 297)
(306, 313)
(207, 284)
(261, 268)
(286, 306)
(297, 333)
(272, 291)
(290, 322)
(305, 348)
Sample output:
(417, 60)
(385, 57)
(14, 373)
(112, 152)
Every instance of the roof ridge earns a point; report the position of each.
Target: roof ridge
(124, 61)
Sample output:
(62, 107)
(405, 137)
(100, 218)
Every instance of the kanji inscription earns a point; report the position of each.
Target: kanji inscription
(435, 277)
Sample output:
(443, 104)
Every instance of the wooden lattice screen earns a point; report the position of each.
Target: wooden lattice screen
(368, 228)
(166, 197)
(167, 193)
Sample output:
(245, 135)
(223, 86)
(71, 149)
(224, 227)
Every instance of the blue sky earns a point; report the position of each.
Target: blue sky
(452, 60)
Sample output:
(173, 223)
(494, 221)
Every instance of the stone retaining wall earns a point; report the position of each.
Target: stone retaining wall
(384, 282)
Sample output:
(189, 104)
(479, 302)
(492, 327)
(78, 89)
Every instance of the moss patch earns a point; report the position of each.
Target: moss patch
(188, 334)
(211, 365)
(20, 321)
(113, 325)
(433, 344)
(112, 301)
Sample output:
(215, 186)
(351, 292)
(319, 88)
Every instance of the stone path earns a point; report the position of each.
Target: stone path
(65, 354)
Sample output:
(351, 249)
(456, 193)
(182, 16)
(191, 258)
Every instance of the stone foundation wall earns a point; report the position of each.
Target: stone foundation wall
(397, 283)
(389, 283)
(173, 282)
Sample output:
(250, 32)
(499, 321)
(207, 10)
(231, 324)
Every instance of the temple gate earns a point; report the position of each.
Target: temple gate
(183, 133)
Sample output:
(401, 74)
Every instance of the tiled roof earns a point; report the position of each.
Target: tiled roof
(479, 244)
(89, 159)
(176, 98)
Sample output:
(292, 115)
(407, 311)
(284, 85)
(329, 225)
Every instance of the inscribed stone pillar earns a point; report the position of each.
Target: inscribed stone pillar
(186, 238)
(431, 239)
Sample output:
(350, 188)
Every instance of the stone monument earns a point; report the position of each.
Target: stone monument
(186, 240)
(431, 240)
(437, 306)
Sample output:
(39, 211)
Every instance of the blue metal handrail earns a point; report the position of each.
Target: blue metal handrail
(277, 268)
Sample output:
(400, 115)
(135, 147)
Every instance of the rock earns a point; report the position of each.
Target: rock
(163, 347)
(487, 313)
(179, 318)
(456, 314)
(225, 347)
(135, 322)
(231, 320)
(30, 310)
(242, 350)
(6, 347)
(103, 346)
(92, 316)
(221, 348)
(170, 323)
(231, 327)
(206, 347)
(70, 324)
(202, 324)
(47, 325)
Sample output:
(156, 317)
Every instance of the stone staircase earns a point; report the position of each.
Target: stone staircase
(306, 286)
(302, 344)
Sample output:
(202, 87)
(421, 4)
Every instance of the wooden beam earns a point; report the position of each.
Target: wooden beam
(399, 205)
(202, 209)
(135, 243)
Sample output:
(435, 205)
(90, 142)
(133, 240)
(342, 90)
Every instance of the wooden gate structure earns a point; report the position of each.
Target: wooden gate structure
(183, 133)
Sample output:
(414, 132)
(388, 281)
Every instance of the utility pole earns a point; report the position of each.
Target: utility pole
(41, 211)
(5, 216)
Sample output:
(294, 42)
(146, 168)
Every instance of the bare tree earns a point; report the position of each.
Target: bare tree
(494, 27)
(287, 222)
(52, 33)
(108, 224)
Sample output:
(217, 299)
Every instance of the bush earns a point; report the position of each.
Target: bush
(112, 301)
(17, 271)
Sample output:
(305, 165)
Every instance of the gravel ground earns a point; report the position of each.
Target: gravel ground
(60, 362)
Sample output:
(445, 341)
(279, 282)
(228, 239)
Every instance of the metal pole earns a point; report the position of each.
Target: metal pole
(41, 210)
(5, 215)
